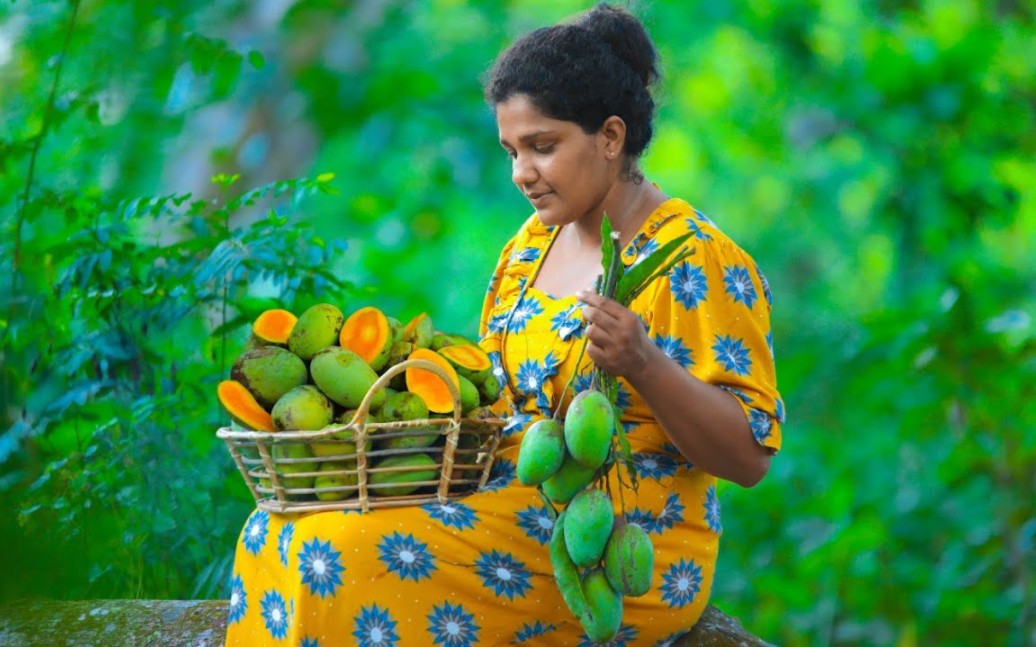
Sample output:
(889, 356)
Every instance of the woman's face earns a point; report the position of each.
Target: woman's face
(561, 170)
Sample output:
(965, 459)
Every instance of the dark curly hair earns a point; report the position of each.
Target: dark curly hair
(600, 65)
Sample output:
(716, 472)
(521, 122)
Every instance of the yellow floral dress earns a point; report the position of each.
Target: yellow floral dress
(476, 571)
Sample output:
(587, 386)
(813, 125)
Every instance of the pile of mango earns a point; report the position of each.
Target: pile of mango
(597, 557)
(312, 372)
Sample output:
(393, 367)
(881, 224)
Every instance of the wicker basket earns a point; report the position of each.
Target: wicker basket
(463, 461)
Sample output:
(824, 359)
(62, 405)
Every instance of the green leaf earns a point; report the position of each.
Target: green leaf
(256, 60)
(607, 250)
(639, 274)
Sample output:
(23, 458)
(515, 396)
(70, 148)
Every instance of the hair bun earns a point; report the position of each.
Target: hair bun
(626, 37)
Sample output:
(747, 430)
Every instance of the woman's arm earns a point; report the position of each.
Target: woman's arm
(704, 422)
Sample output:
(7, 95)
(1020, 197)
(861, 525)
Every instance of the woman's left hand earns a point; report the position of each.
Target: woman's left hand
(618, 340)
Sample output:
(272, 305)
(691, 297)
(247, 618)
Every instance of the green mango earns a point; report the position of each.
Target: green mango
(317, 328)
(489, 389)
(396, 483)
(589, 424)
(268, 373)
(405, 406)
(590, 520)
(304, 408)
(468, 394)
(570, 478)
(344, 377)
(629, 559)
(336, 474)
(300, 471)
(542, 452)
(566, 577)
(603, 615)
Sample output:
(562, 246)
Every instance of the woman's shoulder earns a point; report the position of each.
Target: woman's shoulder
(526, 245)
(677, 217)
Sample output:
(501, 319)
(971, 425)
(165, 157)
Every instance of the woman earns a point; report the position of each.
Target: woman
(692, 354)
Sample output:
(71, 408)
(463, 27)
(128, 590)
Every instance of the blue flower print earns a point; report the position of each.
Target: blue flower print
(452, 626)
(525, 255)
(644, 249)
(779, 411)
(760, 423)
(625, 635)
(531, 377)
(697, 230)
(739, 284)
(320, 566)
(532, 630)
(515, 423)
(582, 382)
(675, 349)
(309, 642)
(524, 310)
(568, 323)
(406, 557)
(712, 510)
(497, 322)
(275, 614)
(452, 513)
(702, 217)
(766, 286)
(375, 628)
(741, 395)
(671, 514)
(622, 395)
(254, 536)
(654, 466)
(642, 518)
(284, 541)
(682, 582)
(503, 574)
(537, 523)
(769, 341)
(688, 285)
(238, 600)
(500, 475)
(732, 354)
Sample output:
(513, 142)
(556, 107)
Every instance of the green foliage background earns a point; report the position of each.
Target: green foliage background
(169, 169)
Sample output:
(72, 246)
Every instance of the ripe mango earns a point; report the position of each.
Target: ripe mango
(629, 559)
(342, 444)
(394, 483)
(317, 328)
(589, 423)
(603, 615)
(336, 474)
(294, 462)
(344, 377)
(565, 574)
(404, 406)
(590, 521)
(542, 452)
(268, 373)
(570, 478)
(304, 408)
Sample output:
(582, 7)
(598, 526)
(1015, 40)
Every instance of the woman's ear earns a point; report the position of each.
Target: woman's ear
(613, 131)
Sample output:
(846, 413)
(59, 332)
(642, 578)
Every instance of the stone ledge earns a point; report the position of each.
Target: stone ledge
(203, 623)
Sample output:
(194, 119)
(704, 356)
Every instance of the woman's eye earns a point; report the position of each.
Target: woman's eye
(543, 150)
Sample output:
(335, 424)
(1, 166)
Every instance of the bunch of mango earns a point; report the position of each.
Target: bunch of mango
(312, 372)
(597, 557)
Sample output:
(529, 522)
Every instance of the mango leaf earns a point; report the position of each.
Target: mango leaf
(641, 273)
(607, 251)
(626, 452)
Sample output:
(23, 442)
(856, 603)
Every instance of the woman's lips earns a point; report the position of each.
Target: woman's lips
(538, 199)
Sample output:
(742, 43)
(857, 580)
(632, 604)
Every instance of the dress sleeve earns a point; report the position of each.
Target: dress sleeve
(711, 314)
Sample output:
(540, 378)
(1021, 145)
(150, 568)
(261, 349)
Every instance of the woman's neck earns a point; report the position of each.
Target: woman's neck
(628, 204)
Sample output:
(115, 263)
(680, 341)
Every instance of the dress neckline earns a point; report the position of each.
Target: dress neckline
(653, 220)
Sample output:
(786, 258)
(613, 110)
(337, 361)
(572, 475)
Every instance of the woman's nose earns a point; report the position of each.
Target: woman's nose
(522, 171)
